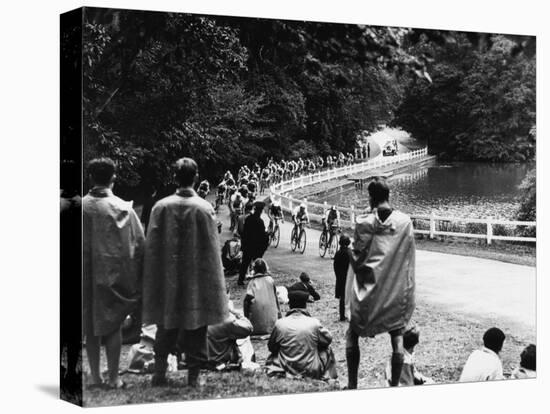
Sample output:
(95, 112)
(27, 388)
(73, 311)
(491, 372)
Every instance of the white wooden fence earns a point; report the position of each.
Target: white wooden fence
(348, 214)
(330, 174)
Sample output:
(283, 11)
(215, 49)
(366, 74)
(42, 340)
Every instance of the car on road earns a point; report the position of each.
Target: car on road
(389, 148)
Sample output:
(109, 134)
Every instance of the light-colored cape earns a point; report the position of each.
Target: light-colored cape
(183, 281)
(113, 244)
(387, 249)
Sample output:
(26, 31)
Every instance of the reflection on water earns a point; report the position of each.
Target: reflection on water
(452, 189)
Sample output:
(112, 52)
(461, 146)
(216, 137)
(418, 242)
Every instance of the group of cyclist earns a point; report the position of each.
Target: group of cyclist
(242, 190)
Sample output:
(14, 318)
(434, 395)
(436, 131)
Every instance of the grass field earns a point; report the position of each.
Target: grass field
(445, 343)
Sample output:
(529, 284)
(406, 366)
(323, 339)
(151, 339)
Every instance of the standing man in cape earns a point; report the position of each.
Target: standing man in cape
(380, 286)
(183, 282)
(112, 258)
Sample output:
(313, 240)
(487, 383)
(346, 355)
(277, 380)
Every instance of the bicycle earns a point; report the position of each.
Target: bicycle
(331, 244)
(220, 199)
(275, 233)
(298, 239)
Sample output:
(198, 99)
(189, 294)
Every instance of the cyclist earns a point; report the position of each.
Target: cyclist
(275, 212)
(222, 189)
(252, 187)
(236, 206)
(320, 162)
(329, 161)
(227, 176)
(264, 179)
(299, 215)
(204, 189)
(331, 221)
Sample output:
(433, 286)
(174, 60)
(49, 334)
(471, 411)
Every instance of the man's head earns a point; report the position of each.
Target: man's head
(302, 207)
(304, 278)
(297, 299)
(186, 172)
(102, 171)
(248, 208)
(493, 339)
(258, 207)
(379, 192)
(529, 357)
(411, 337)
(259, 266)
(345, 241)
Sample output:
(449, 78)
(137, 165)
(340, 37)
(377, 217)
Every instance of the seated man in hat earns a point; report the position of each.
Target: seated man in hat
(299, 344)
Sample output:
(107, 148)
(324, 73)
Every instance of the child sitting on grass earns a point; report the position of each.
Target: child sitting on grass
(409, 374)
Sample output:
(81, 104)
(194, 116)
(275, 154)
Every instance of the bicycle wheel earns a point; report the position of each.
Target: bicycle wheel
(276, 236)
(323, 244)
(333, 248)
(302, 242)
(293, 239)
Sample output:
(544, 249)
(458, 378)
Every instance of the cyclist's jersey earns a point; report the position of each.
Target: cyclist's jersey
(300, 215)
(331, 216)
(275, 211)
(237, 202)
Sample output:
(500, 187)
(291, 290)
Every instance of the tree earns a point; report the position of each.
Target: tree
(481, 104)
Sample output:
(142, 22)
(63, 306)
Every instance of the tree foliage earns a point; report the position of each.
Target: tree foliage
(480, 105)
(228, 91)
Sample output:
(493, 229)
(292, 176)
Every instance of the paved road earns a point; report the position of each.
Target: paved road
(471, 286)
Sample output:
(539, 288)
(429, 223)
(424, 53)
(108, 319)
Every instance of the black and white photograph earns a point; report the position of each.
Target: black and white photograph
(279, 206)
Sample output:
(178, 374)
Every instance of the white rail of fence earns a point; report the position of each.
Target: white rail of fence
(317, 210)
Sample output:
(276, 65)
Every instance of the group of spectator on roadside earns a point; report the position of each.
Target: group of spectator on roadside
(175, 274)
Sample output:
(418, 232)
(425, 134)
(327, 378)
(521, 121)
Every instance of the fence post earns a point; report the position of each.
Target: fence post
(489, 230)
(432, 225)
(352, 215)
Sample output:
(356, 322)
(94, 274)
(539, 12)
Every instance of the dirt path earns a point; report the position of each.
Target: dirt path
(480, 288)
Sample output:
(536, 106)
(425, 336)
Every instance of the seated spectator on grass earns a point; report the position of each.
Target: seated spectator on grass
(223, 350)
(299, 344)
(232, 255)
(261, 305)
(528, 364)
(484, 364)
(409, 373)
(305, 285)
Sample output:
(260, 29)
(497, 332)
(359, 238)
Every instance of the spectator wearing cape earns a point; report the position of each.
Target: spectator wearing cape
(183, 281)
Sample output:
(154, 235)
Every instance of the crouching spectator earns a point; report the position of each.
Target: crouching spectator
(528, 364)
(223, 349)
(299, 344)
(484, 364)
(409, 373)
(305, 286)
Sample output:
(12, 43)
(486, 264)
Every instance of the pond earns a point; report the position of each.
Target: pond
(458, 189)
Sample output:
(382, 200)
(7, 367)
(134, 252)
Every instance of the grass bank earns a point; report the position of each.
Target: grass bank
(446, 341)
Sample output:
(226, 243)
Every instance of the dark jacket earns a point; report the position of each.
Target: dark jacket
(341, 263)
(306, 288)
(254, 237)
